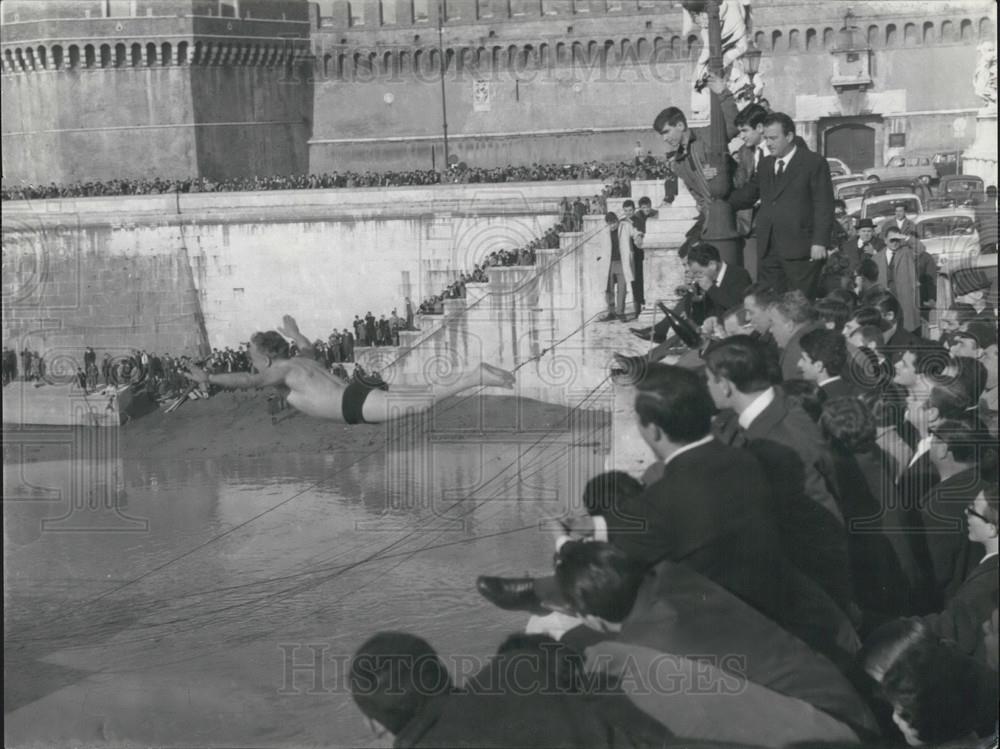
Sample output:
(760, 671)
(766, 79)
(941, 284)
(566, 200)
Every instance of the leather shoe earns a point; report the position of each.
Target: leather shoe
(645, 334)
(608, 318)
(511, 593)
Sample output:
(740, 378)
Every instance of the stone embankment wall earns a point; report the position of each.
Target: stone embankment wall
(184, 273)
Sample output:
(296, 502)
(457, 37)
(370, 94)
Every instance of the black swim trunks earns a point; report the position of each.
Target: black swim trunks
(355, 395)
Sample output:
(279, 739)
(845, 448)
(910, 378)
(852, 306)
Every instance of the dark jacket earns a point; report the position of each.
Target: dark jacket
(681, 612)
(942, 548)
(839, 388)
(879, 583)
(723, 297)
(688, 162)
(973, 603)
(799, 465)
(507, 707)
(711, 510)
(796, 211)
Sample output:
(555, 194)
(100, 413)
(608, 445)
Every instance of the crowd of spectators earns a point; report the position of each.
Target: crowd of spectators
(162, 376)
(815, 543)
(31, 369)
(617, 176)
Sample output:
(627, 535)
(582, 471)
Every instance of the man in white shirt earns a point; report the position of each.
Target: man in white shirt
(750, 123)
(899, 222)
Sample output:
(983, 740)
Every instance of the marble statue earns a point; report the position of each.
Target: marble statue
(985, 79)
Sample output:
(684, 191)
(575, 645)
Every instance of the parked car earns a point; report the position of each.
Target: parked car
(906, 167)
(959, 189)
(947, 163)
(852, 193)
(949, 234)
(839, 179)
(900, 186)
(880, 207)
(837, 167)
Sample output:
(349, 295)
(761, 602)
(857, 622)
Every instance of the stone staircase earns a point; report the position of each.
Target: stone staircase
(540, 320)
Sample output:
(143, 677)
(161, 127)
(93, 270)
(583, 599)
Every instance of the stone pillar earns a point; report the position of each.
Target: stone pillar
(981, 158)
(809, 132)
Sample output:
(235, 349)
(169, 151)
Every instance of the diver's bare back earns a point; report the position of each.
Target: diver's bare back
(313, 390)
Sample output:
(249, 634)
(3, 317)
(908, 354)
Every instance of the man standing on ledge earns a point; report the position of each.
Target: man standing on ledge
(688, 158)
(622, 270)
(796, 209)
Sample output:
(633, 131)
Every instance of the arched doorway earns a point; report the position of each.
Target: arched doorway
(853, 143)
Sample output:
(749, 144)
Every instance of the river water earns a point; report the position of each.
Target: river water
(216, 602)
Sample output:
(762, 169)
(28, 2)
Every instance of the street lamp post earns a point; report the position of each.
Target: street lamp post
(751, 64)
(444, 104)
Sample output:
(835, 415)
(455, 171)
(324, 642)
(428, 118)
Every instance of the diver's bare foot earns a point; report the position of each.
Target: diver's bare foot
(495, 377)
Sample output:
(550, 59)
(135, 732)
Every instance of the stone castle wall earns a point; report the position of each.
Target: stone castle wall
(219, 88)
(161, 90)
(572, 80)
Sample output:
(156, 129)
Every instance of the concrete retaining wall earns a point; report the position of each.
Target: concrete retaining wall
(180, 273)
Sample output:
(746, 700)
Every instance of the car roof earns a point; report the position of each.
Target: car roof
(956, 177)
(855, 183)
(890, 196)
(898, 182)
(946, 213)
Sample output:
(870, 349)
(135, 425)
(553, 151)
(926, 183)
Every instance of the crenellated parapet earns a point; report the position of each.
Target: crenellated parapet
(108, 89)
(535, 35)
(173, 33)
(178, 51)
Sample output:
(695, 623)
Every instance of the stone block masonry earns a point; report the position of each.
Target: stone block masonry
(182, 274)
(94, 287)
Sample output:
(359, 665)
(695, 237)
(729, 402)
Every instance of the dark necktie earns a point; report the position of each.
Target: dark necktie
(781, 169)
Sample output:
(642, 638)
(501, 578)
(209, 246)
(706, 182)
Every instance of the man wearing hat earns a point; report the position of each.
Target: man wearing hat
(897, 271)
(843, 261)
(864, 243)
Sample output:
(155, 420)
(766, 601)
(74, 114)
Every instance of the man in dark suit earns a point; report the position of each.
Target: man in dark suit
(710, 508)
(897, 338)
(796, 208)
(797, 460)
(673, 610)
(527, 695)
(976, 599)
(823, 358)
(942, 547)
(928, 406)
(722, 286)
(865, 244)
